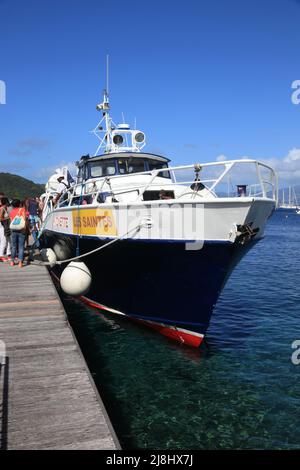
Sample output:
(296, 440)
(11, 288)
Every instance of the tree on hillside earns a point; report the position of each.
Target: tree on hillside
(15, 186)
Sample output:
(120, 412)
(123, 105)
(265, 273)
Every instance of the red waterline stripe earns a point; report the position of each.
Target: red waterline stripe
(176, 334)
(183, 337)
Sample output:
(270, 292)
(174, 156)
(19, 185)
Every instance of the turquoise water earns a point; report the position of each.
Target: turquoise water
(239, 391)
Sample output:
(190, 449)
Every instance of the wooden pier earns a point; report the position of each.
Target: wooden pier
(48, 399)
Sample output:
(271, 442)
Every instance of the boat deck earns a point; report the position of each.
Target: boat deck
(48, 399)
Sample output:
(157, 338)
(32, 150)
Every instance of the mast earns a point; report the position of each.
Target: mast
(107, 74)
(295, 197)
(115, 138)
(106, 139)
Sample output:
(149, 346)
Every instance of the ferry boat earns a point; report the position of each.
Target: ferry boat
(158, 241)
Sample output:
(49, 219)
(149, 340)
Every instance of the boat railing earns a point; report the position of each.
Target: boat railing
(256, 191)
(218, 175)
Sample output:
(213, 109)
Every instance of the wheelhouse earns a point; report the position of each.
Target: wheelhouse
(120, 164)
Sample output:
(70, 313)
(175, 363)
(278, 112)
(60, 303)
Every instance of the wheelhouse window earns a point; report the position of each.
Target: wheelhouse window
(156, 165)
(131, 165)
(102, 168)
(122, 166)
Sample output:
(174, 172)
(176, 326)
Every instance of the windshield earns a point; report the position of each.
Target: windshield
(131, 165)
(156, 165)
(105, 168)
(125, 166)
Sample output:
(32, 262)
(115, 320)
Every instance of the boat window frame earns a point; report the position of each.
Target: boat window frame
(101, 162)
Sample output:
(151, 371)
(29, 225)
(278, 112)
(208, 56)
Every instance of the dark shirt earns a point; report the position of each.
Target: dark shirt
(33, 207)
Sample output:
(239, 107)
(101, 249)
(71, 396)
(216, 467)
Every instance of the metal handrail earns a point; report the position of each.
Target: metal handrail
(142, 187)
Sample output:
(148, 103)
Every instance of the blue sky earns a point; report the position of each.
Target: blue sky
(203, 78)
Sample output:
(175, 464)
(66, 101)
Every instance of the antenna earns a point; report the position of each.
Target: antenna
(109, 133)
(107, 74)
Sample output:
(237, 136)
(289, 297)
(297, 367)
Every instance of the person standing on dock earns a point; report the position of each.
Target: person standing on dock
(32, 207)
(18, 237)
(5, 232)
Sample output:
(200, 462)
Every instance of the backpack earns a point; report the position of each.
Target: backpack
(18, 223)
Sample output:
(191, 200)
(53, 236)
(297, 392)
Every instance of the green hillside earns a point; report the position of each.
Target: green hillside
(15, 186)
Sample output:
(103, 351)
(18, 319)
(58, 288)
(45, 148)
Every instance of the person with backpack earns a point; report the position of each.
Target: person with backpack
(18, 226)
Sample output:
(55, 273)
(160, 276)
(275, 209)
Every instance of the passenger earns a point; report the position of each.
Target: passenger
(5, 233)
(62, 184)
(164, 195)
(61, 188)
(40, 207)
(87, 200)
(18, 237)
(23, 205)
(34, 220)
(41, 204)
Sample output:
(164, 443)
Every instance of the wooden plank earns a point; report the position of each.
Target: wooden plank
(47, 396)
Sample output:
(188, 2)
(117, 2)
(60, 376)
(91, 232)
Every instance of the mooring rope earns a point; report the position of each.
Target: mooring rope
(59, 262)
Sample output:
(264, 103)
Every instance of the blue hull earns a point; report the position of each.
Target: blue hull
(159, 282)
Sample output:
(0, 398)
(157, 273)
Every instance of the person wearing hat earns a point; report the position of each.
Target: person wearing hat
(60, 188)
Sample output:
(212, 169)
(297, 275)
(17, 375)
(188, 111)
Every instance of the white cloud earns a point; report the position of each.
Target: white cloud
(292, 156)
(286, 167)
(44, 173)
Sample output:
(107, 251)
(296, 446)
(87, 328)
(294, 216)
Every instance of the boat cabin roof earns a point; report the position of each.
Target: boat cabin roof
(122, 155)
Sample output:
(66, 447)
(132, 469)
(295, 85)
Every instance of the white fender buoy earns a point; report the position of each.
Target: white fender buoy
(49, 256)
(76, 278)
(61, 251)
